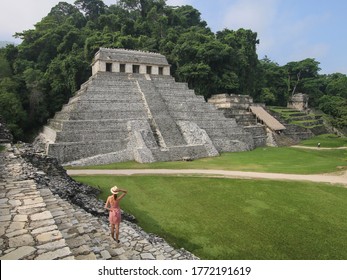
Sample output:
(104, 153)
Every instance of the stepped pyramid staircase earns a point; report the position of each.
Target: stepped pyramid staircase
(120, 117)
(238, 107)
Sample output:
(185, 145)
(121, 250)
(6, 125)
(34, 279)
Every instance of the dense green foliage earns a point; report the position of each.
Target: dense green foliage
(237, 219)
(326, 92)
(38, 76)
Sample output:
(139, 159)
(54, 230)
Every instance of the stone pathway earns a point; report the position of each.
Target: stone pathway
(35, 224)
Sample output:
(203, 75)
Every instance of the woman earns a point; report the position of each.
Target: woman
(112, 204)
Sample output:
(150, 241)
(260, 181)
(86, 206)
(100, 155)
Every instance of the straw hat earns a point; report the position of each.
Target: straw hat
(114, 190)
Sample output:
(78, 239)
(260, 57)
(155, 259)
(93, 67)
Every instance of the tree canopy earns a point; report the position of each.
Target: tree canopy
(38, 76)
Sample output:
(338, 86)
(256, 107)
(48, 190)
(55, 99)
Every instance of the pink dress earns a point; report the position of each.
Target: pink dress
(115, 213)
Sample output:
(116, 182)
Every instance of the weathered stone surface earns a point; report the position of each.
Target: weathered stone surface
(53, 255)
(105, 255)
(32, 201)
(82, 250)
(16, 233)
(49, 236)
(90, 256)
(19, 253)
(15, 202)
(21, 240)
(16, 226)
(50, 246)
(20, 218)
(41, 216)
(147, 256)
(44, 229)
(41, 223)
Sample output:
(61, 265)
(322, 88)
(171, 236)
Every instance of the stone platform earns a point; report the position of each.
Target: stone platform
(38, 225)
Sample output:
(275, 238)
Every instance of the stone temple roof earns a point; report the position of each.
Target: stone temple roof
(131, 56)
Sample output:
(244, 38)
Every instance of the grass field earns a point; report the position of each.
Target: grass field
(266, 159)
(326, 141)
(238, 219)
(243, 219)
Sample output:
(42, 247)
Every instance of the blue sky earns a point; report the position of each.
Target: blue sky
(288, 30)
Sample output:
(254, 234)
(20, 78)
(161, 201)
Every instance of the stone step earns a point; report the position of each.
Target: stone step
(87, 237)
(102, 134)
(88, 125)
(86, 115)
(71, 151)
(158, 108)
(28, 230)
(106, 105)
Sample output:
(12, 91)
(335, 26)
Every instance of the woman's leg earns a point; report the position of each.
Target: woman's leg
(117, 233)
(112, 230)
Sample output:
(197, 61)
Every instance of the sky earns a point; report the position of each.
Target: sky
(288, 30)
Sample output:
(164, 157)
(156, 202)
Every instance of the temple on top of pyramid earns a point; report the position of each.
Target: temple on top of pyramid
(131, 108)
(128, 61)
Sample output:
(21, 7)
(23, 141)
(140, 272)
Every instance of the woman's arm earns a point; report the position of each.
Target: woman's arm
(107, 203)
(124, 192)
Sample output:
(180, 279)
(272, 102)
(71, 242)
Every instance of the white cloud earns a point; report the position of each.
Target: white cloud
(297, 38)
(283, 33)
(259, 16)
(303, 49)
(20, 15)
(253, 14)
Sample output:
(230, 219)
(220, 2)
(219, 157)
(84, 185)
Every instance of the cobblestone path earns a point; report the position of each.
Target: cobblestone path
(35, 224)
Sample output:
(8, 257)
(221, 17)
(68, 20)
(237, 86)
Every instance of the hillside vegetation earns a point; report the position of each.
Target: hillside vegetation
(39, 75)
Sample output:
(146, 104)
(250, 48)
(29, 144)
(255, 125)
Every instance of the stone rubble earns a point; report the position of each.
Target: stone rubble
(41, 217)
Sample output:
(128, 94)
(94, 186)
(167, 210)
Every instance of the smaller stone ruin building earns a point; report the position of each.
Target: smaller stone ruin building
(298, 101)
(253, 117)
(131, 108)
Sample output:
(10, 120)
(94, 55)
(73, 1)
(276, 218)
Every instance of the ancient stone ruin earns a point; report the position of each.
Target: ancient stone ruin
(267, 126)
(298, 101)
(253, 117)
(132, 109)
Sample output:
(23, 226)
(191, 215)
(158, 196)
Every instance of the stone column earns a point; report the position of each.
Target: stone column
(143, 69)
(155, 70)
(128, 68)
(116, 67)
(166, 71)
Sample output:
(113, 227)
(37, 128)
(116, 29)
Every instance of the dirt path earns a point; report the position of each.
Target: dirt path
(320, 148)
(325, 178)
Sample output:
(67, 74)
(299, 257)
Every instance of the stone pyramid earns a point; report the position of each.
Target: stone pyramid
(132, 109)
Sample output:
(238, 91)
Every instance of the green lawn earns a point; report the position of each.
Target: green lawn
(326, 141)
(238, 219)
(266, 159)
